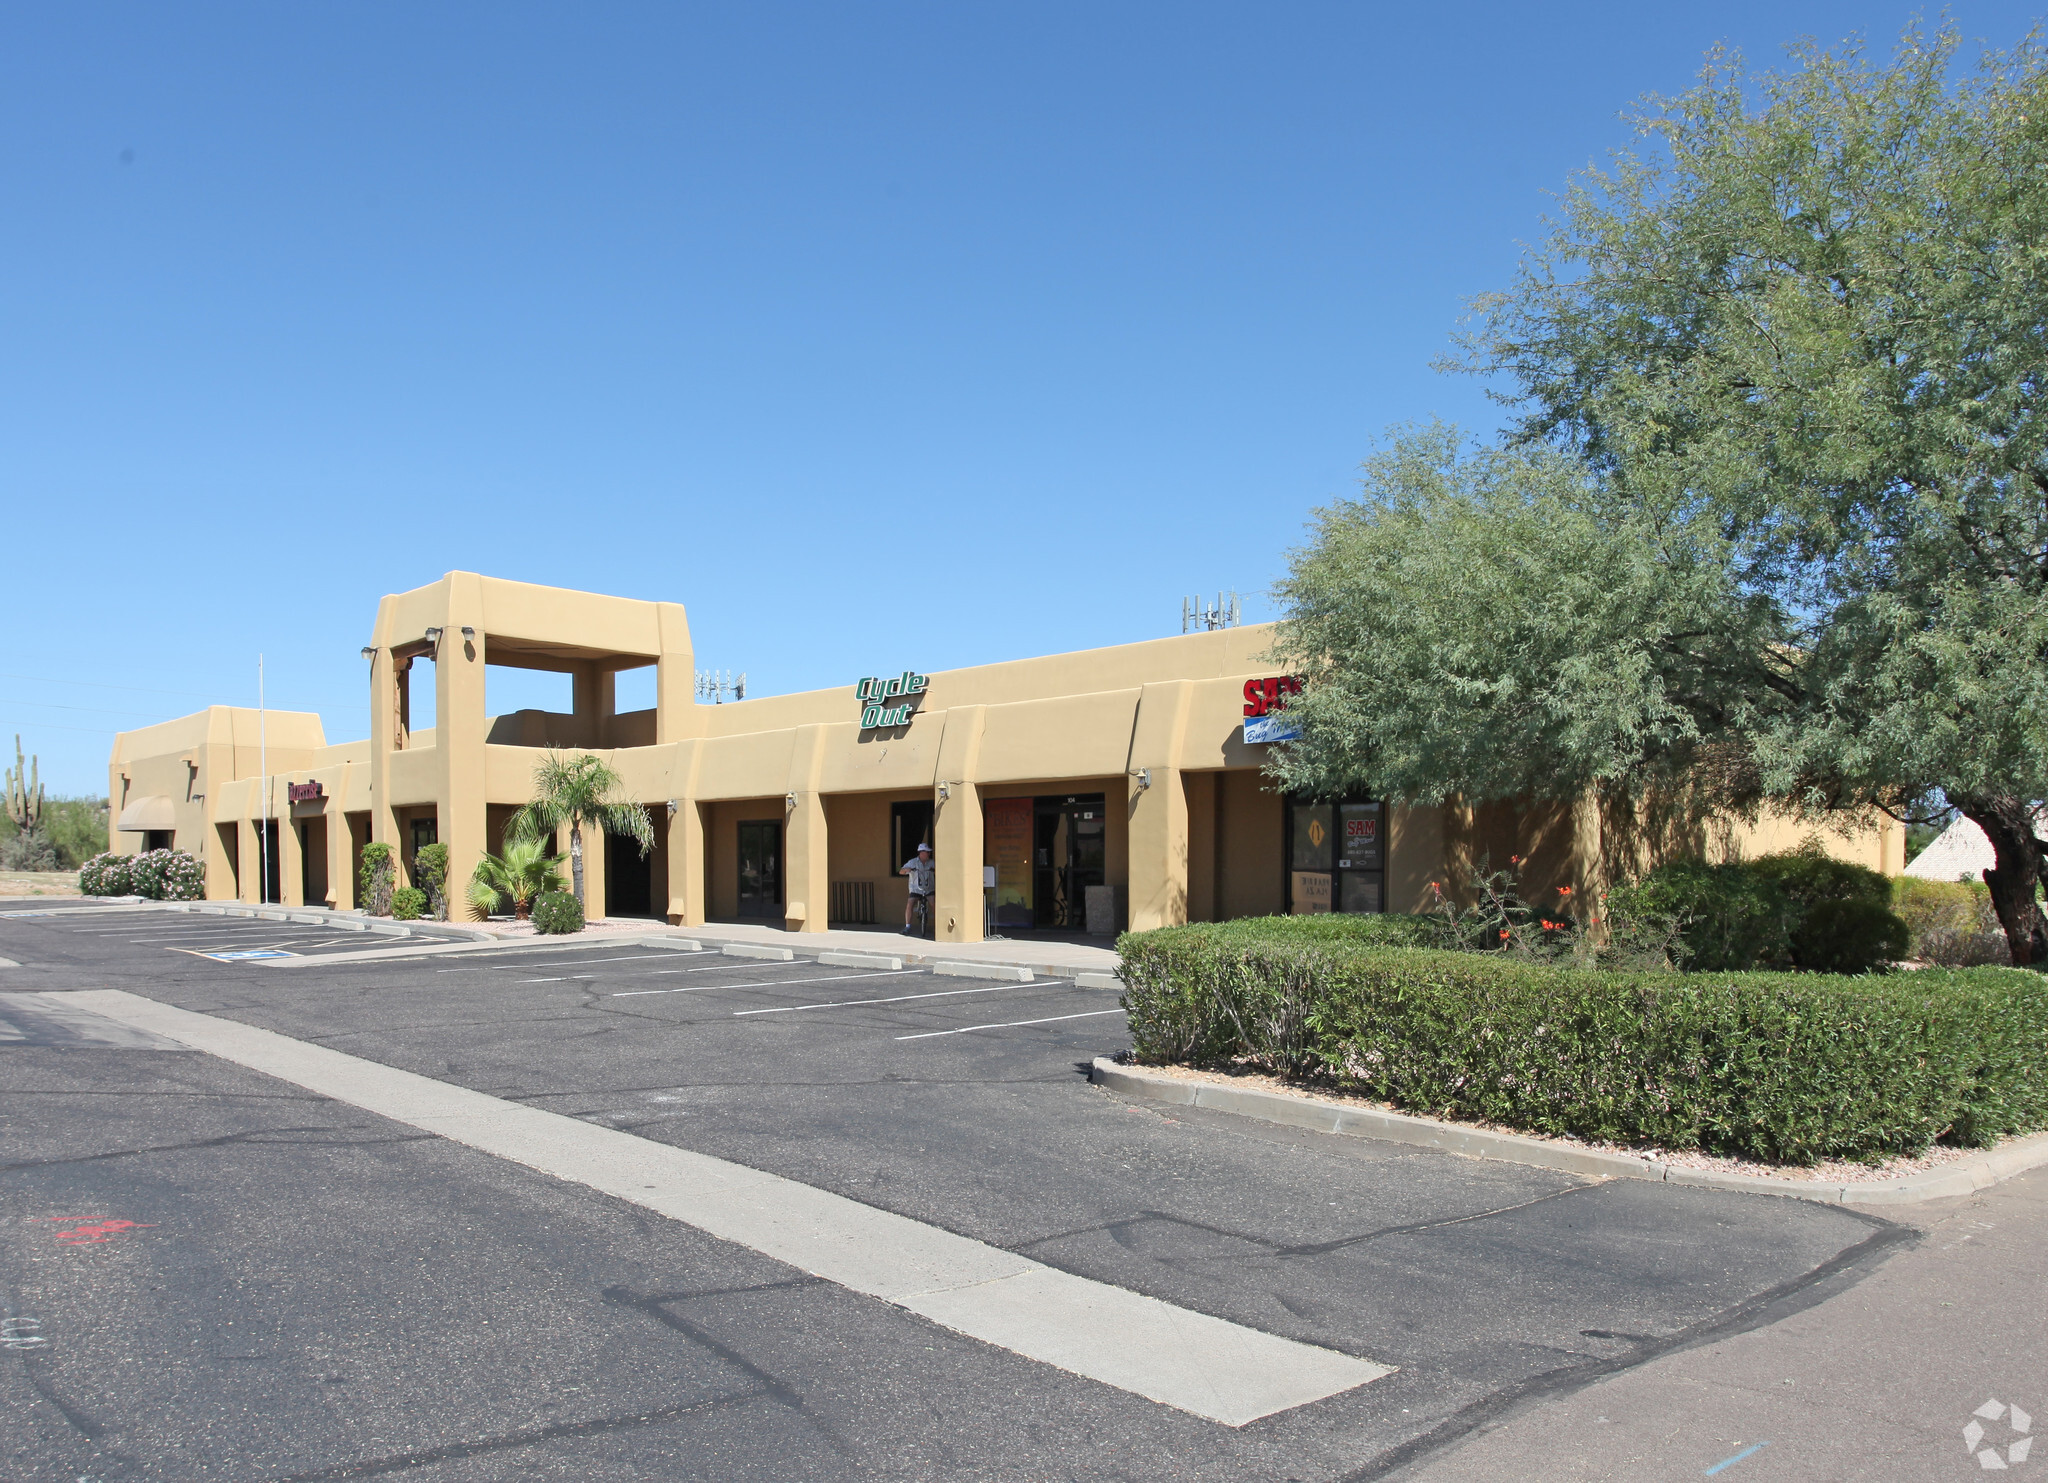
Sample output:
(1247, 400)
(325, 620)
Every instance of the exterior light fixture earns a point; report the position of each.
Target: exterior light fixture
(674, 804)
(434, 637)
(945, 792)
(468, 634)
(369, 651)
(1144, 777)
(791, 801)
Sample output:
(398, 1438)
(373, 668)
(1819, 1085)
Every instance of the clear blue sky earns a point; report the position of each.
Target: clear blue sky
(880, 335)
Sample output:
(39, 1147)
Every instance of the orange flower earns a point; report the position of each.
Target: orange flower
(1514, 859)
(1564, 890)
(1503, 934)
(1550, 926)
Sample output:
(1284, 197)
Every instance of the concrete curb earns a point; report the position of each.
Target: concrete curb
(1317, 1115)
(346, 921)
(1008, 972)
(1097, 981)
(860, 960)
(755, 950)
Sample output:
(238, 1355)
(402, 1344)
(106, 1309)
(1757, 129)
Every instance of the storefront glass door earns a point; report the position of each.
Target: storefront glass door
(1070, 854)
(1336, 856)
(760, 868)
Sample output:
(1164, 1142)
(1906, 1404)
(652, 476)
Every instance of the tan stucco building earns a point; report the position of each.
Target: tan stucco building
(1081, 791)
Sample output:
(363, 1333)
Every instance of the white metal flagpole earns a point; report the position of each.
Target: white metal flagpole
(263, 768)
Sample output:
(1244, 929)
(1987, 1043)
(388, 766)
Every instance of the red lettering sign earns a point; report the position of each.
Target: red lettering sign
(303, 792)
(1264, 697)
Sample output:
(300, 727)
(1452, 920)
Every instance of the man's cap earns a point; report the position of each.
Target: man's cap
(923, 848)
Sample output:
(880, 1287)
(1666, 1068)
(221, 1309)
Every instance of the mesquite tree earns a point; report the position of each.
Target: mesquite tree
(1793, 353)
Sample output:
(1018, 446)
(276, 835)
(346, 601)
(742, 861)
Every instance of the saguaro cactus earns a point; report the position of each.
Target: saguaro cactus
(25, 792)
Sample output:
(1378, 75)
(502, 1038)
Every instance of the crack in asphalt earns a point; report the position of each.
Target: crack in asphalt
(1118, 1230)
(655, 1306)
(1773, 1305)
(256, 1137)
(532, 1436)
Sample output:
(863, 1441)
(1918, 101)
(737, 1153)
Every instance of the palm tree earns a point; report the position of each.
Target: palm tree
(574, 788)
(522, 872)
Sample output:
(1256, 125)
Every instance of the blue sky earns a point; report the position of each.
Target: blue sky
(882, 336)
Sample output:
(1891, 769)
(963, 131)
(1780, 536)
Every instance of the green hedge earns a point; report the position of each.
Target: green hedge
(408, 904)
(1789, 1067)
(1797, 910)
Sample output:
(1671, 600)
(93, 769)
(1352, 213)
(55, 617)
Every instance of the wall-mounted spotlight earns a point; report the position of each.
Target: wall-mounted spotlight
(468, 634)
(945, 792)
(434, 637)
(369, 651)
(674, 804)
(791, 801)
(1144, 777)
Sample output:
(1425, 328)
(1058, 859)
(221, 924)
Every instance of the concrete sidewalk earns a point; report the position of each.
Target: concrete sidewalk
(1873, 1381)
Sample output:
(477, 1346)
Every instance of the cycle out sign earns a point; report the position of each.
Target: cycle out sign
(889, 702)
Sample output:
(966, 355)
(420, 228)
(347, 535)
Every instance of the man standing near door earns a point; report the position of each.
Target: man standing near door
(919, 869)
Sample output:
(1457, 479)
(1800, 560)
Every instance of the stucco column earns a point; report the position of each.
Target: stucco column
(956, 858)
(806, 878)
(291, 861)
(593, 870)
(686, 864)
(1158, 816)
(341, 875)
(460, 812)
(249, 860)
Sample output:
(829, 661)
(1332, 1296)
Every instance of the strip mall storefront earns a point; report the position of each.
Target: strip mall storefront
(1076, 792)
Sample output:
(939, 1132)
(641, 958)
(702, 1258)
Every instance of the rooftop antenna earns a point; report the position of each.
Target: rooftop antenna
(718, 686)
(1199, 615)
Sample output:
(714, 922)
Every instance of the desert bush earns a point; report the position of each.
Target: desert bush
(430, 874)
(376, 876)
(1800, 910)
(1952, 922)
(166, 875)
(106, 874)
(557, 912)
(408, 903)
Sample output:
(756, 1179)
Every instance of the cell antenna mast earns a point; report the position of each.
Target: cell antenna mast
(1199, 615)
(719, 686)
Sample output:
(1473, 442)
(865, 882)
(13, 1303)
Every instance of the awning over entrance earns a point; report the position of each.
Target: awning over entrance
(151, 812)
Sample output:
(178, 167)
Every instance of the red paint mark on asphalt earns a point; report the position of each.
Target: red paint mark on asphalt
(100, 1231)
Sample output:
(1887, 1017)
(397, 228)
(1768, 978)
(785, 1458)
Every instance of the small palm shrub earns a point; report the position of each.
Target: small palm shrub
(407, 903)
(557, 912)
(524, 870)
(106, 874)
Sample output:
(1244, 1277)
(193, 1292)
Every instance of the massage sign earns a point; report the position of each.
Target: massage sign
(890, 702)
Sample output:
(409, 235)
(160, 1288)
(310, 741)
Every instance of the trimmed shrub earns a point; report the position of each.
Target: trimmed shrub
(106, 874)
(557, 912)
(1801, 910)
(1776, 1066)
(407, 903)
(166, 875)
(1952, 922)
(376, 876)
(430, 872)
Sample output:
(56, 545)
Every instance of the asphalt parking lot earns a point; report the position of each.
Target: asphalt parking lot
(308, 1290)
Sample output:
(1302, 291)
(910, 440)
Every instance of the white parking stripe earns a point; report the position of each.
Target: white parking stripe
(769, 984)
(566, 963)
(1043, 983)
(1011, 1024)
(1209, 1367)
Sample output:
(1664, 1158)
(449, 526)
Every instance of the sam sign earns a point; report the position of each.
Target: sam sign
(1264, 703)
(890, 702)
